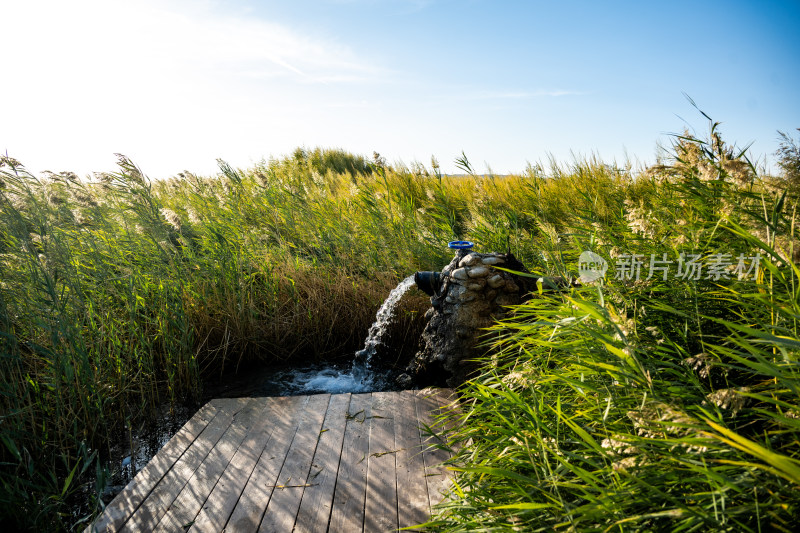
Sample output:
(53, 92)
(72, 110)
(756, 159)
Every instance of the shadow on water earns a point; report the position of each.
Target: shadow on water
(132, 451)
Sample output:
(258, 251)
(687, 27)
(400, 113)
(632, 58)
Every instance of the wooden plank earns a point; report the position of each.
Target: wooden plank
(277, 466)
(347, 514)
(247, 513)
(315, 507)
(182, 512)
(436, 474)
(157, 502)
(412, 491)
(126, 502)
(447, 400)
(380, 510)
(285, 500)
(220, 503)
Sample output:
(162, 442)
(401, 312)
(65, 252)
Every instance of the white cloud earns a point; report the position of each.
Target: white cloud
(84, 79)
(519, 95)
(158, 37)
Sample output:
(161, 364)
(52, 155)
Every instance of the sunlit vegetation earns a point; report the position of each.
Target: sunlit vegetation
(645, 403)
(629, 405)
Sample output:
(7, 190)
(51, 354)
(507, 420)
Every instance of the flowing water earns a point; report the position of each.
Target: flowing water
(142, 444)
(331, 378)
(360, 377)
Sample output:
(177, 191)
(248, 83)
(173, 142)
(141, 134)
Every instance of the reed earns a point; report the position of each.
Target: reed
(118, 293)
(647, 405)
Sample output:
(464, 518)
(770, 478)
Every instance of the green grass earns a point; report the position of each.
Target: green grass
(647, 405)
(635, 405)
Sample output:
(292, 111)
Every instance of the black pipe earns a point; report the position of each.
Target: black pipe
(428, 282)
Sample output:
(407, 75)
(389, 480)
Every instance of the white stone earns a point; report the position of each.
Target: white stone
(467, 297)
(496, 281)
(477, 272)
(475, 286)
(492, 260)
(469, 260)
(459, 273)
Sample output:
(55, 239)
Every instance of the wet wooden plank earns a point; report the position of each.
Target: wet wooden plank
(222, 500)
(282, 508)
(380, 510)
(249, 510)
(447, 399)
(158, 501)
(315, 507)
(182, 512)
(347, 514)
(412, 491)
(126, 502)
(437, 476)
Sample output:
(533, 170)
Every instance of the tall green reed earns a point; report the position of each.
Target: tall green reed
(647, 404)
(122, 292)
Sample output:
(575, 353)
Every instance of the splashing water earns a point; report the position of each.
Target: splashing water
(360, 377)
(362, 363)
(309, 379)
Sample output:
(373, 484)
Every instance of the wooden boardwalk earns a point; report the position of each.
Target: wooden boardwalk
(338, 463)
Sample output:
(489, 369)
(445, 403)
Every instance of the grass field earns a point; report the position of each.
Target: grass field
(635, 404)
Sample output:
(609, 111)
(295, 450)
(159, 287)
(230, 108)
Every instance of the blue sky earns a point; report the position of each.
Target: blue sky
(175, 84)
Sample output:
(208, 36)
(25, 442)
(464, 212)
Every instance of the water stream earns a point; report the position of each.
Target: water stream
(360, 377)
(142, 444)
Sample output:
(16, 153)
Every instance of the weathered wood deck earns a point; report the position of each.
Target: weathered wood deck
(343, 462)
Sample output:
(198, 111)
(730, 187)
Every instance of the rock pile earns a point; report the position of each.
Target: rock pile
(473, 293)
